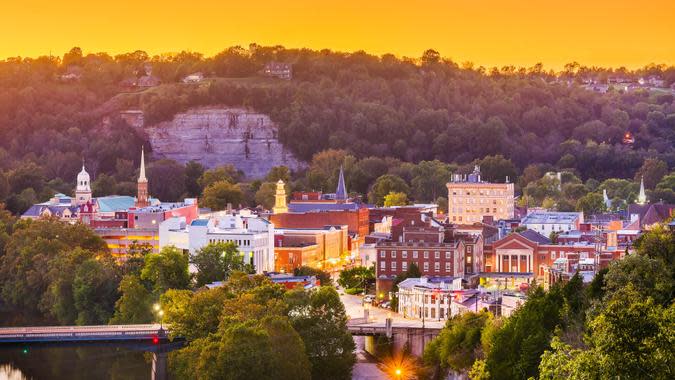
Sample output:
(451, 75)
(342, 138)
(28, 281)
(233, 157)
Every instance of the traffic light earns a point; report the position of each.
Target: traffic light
(25, 351)
(155, 340)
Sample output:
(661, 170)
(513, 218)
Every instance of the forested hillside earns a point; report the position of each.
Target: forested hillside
(410, 110)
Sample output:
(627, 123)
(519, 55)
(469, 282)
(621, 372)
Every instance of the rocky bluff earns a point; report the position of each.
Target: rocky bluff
(218, 136)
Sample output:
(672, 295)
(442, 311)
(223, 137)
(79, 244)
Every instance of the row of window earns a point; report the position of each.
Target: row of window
(473, 201)
(481, 210)
(425, 266)
(486, 192)
(415, 254)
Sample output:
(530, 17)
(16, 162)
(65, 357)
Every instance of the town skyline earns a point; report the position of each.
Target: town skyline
(494, 34)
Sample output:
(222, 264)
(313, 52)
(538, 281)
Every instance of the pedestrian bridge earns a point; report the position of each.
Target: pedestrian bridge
(104, 333)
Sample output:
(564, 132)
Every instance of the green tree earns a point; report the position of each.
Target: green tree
(319, 317)
(395, 199)
(193, 172)
(278, 173)
(216, 261)
(226, 173)
(591, 203)
(323, 277)
(166, 270)
(135, 304)
(357, 277)
(652, 170)
(384, 185)
(221, 193)
(265, 195)
(457, 345)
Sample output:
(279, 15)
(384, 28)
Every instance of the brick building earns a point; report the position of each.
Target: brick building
(532, 254)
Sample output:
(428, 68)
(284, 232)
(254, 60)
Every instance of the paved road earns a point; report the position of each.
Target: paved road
(354, 309)
(366, 365)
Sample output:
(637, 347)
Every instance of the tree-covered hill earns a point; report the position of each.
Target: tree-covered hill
(51, 109)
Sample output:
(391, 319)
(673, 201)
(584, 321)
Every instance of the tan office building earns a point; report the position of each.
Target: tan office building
(470, 199)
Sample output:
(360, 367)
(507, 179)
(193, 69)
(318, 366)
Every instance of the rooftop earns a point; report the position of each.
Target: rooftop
(551, 217)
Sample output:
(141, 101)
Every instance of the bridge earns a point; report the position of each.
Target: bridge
(415, 336)
(106, 333)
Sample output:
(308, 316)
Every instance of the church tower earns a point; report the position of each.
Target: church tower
(341, 191)
(642, 197)
(83, 188)
(280, 206)
(142, 185)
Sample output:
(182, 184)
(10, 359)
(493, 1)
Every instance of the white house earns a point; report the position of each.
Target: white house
(253, 236)
(545, 222)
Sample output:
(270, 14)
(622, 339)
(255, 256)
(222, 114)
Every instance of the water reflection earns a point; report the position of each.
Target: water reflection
(74, 362)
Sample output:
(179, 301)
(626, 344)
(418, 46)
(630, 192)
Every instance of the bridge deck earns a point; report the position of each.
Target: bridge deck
(82, 333)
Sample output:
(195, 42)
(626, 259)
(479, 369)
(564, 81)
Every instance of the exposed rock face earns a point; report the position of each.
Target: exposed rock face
(218, 136)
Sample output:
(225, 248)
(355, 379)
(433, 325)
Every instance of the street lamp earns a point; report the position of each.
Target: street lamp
(158, 309)
(398, 373)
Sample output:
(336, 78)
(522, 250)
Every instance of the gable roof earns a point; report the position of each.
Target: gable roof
(535, 236)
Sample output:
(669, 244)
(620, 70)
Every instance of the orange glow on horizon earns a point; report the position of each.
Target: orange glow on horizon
(521, 33)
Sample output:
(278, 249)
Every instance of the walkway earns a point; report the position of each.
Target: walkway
(152, 333)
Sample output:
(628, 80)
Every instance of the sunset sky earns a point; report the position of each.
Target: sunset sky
(486, 32)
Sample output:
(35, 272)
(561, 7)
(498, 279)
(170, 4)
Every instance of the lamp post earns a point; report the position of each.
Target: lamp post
(158, 309)
(398, 373)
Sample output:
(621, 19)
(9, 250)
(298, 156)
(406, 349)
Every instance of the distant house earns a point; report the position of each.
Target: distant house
(279, 70)
(148, 81)
(650, 214)
(194, 78)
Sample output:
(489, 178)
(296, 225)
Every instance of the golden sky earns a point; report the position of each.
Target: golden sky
(487, 32)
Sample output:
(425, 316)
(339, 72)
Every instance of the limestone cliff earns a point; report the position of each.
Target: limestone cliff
(218, 136)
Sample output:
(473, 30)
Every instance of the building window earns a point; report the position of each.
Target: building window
(393, 254)
(437, 267)
(437, 255)
(404, 254)
(404, 265)
(414, 254)
(383, 265)
(553, 255)
(447, 267)
(426, 254)
(383, 254)
(447, 255)
(393, 265)
(426, 266)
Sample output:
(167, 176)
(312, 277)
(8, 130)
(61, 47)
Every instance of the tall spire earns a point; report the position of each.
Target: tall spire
(642, 197)
(141, 176)
(341, 191)
(142, 185)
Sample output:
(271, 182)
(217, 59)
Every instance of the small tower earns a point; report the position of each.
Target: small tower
(642, 197)
(280, 206)
(605, 198)
(83, 188)
(341, 191)
(142, 185)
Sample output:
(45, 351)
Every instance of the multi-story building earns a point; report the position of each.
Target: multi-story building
(546, 222)
(323, 248)
(253, 236)
(528, 255)
(427, 298)
(279, 70)
(470, 199)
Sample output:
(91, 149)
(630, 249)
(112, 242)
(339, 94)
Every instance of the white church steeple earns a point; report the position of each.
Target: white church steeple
(83, 188)
(642, 197)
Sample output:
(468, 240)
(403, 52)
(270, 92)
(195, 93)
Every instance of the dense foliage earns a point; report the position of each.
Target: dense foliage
(251, 328)
(383, 111)
(620, 325)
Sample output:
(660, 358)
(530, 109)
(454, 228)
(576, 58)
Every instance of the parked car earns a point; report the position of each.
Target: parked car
(368, 298)
(385, 305)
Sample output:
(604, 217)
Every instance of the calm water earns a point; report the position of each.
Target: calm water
(74, 362)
